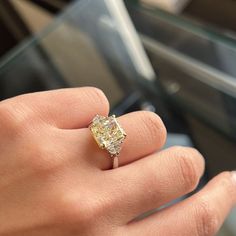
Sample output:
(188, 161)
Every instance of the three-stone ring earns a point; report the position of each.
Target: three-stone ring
(109, 135)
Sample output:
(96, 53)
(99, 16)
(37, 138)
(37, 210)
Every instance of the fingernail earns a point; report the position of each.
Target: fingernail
(234, 176)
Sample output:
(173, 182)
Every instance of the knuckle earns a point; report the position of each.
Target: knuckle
(87, 212)
(190, 166)
(8, 118)
(43, 157)
(6, 114)
(207, 219)
(36, 158)
(225, 182)
(99, 97)
(154, 125)
(14, 117)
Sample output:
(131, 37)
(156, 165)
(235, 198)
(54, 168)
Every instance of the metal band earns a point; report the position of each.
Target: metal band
(115, 162)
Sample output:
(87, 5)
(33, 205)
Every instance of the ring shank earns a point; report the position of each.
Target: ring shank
(115, 162)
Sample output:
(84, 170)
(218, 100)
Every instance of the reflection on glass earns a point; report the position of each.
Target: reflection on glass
(93, 43)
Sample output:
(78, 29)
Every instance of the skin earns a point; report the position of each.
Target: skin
(56, 181)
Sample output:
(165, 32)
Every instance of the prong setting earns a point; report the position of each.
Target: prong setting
(108, 134)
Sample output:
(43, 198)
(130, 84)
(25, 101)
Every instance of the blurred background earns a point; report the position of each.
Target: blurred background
(174, 57)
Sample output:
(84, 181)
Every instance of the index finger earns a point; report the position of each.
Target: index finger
(64, 108)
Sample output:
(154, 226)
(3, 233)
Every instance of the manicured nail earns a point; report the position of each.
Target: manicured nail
(234, 176)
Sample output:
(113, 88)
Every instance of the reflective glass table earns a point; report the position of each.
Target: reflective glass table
(196, 68)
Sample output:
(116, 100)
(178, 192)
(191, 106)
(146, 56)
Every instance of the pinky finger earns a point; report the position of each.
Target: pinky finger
(200, 215)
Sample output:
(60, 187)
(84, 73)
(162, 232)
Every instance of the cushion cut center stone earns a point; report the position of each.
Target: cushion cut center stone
(108, 133)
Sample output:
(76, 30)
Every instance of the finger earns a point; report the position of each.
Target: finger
(146, 134)
(64, 108)
(200, 215)
(156, 180)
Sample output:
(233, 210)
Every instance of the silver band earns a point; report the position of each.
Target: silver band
(115, 162)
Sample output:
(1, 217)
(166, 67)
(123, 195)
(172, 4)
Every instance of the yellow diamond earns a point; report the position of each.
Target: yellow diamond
(108, 133)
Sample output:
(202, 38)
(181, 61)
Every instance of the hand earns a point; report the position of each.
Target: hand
(55, 181)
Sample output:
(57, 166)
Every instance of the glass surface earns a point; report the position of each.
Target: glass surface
(92, 44)
(196, 65)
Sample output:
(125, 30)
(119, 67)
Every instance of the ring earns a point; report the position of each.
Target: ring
(109, 135)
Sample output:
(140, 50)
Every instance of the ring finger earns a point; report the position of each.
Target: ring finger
(145, 131)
